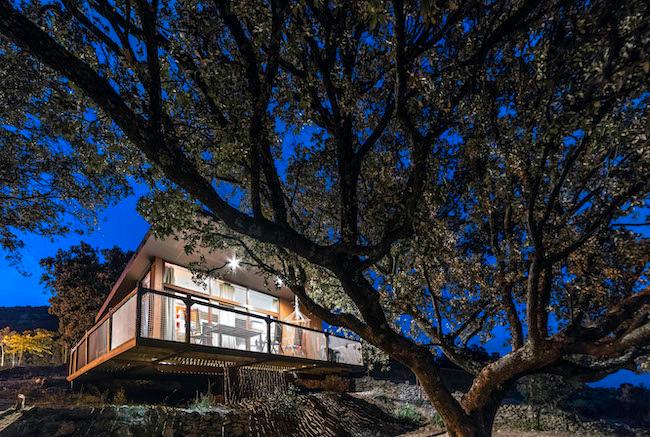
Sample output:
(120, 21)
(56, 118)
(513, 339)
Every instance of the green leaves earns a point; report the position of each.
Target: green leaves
(80, 279)
(60, 163)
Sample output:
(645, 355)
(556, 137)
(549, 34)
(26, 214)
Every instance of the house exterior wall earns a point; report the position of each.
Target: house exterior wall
(286, 308)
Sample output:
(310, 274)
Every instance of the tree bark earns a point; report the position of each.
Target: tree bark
(476, 424)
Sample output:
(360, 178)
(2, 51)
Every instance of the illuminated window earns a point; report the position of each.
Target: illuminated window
(251, 299)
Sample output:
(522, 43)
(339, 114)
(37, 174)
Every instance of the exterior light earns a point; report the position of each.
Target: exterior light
(233, 263)
(279, 282)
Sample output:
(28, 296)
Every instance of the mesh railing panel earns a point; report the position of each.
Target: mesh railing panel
(73, 362)
(162, 317)
(81, 354)
(345, 351)
(97, 342)
(123, 323)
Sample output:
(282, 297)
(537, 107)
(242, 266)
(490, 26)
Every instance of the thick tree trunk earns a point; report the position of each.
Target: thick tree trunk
(475, 424)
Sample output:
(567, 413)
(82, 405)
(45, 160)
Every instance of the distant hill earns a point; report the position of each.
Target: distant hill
(21, 318)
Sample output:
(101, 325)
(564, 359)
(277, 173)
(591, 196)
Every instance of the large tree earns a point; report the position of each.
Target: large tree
(80, 278)
(452, 166)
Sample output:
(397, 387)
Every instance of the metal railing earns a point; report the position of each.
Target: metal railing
(185, 318)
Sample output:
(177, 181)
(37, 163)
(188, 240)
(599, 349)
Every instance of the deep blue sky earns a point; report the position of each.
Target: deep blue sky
(119, 225)
(122, 226)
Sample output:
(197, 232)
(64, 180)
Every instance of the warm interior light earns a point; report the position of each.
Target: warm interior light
(233, 263)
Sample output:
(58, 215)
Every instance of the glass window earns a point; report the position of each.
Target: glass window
(241, 295)
(182, 277)
(228, 291)
(253, 300)
(263, 301)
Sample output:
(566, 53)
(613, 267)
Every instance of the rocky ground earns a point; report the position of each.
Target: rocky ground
(376, 408)
(322, 414)
(512, 419)
(46, 382)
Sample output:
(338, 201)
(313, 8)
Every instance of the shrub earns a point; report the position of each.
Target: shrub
(408, 414)
(284, 403)
(119, 397)
(436, 420)
(205, 401)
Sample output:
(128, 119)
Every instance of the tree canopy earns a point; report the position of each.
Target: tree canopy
(80, 278)
(58, 166)
(454, 165)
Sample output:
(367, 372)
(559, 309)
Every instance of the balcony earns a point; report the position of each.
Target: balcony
(153, 332)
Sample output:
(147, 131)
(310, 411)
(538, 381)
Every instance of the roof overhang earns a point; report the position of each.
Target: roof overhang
(172, 249)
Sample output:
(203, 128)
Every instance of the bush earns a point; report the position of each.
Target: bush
(331, 383)
(546, 390)
(436, 420)
(119, 397)
(408, 414)
(284, 403)
(205, 401)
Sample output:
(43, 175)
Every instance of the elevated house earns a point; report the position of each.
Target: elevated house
(157, 320)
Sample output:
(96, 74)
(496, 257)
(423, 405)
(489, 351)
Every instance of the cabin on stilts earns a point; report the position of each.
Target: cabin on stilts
(159, 319)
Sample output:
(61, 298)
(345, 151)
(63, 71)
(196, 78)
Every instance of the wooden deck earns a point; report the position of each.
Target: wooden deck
(142, 356)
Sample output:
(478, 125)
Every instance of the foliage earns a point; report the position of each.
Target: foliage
(419, 173)
(541, 391)
(336, 384)
(285, 404)
(626, 403)
(205, 401)
(35, 343)
(408, 414)
(119, 397)
(437, 421)
(546, 390)
(56, 169)
(80, 278)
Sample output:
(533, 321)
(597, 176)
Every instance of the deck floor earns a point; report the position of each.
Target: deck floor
(149, 357)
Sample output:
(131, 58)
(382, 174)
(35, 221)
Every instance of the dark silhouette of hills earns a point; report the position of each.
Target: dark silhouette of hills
(21, 318)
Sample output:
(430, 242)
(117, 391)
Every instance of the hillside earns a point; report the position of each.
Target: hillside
(21, 318)
(377, 408)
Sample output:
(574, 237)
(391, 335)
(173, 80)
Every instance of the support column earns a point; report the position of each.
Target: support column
(188, 319)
